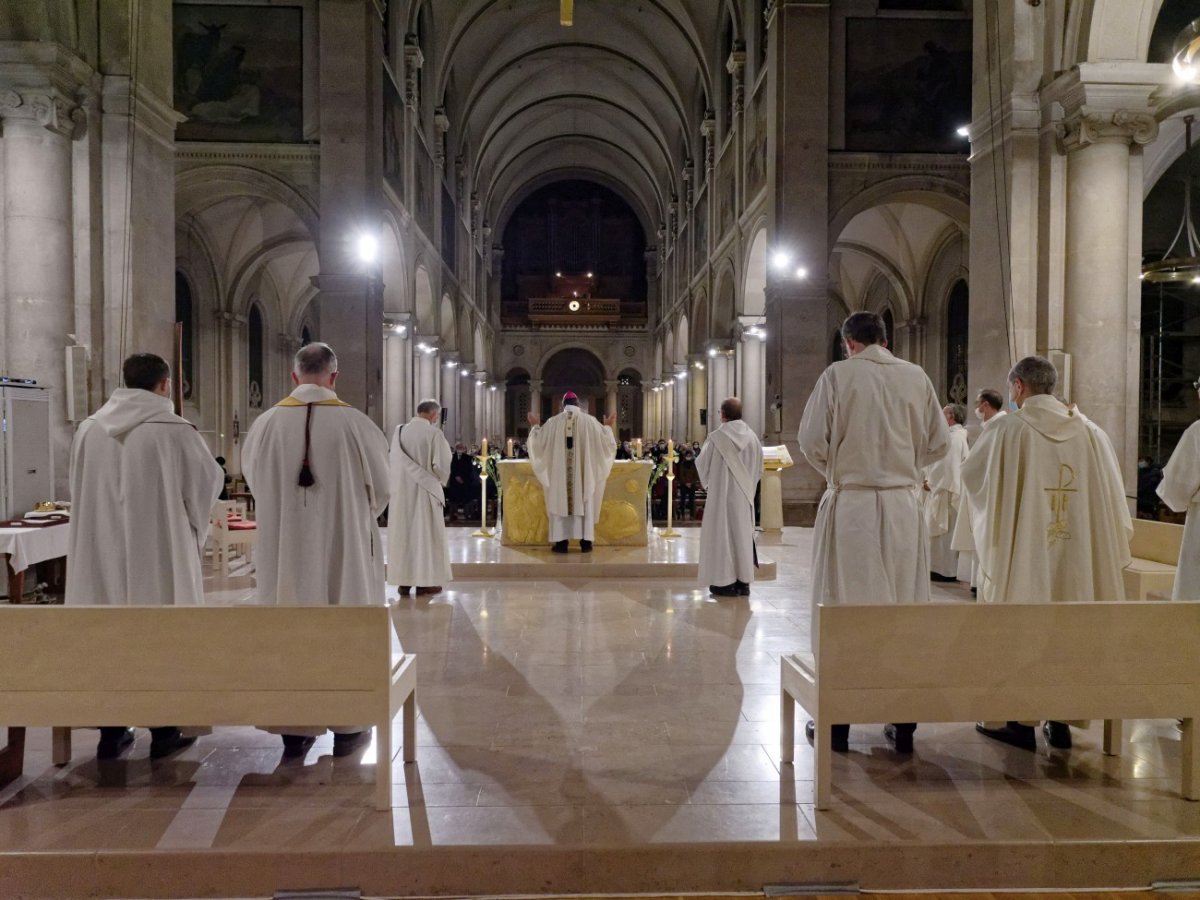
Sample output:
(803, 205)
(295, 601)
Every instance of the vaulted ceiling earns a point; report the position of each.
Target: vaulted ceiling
(618, 97)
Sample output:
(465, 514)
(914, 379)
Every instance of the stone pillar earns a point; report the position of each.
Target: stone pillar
(697, 396)
(679, 401)
(428, 381)
(396, 376)
(647, 411)
(350, 171)
(38, 259)
(535, 397)
(449, 395)
(500, 395)
(1101, 319)
(466, 401)
(750, 364)
(798, 47)
(667, 394)
(610, 405)
(720, 369)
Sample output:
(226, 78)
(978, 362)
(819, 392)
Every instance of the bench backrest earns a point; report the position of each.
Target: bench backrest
(195, 648)
(982, 646)
(1156, 541)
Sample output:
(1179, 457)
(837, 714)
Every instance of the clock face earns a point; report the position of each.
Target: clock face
(573, 306)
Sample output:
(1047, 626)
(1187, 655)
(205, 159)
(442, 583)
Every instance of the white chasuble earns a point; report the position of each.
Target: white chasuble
(418, 553)
(143, 484)
(1180, 490)
(729, 466)
(871, 426)
(571, 455)
(941, 503)
(317, 545)
(1048, 518)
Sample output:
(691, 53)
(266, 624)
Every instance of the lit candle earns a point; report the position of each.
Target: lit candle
(483, 447)
(670, 457)
(638, 445)
(508, 449)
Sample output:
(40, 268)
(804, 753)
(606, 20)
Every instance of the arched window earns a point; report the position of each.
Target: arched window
(184, 316)
(957, 322)
(889, 328)
(254, 354)
(306, 337)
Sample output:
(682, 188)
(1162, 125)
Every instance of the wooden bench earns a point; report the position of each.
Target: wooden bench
(996, 662)
(1155, 551)
(64, 667)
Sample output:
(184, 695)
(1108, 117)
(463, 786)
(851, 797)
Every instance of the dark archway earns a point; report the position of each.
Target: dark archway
(516, 403)
(957, 325)
(185, 316)
(889, 329)
(577, 370)
(256, 388)
(629, 404)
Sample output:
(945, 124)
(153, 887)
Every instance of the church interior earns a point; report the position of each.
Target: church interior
(655, 205)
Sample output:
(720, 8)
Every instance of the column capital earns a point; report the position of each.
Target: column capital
(535, 386)
(1089, 126)
(48, 107)
(611, 384)
(45, 84)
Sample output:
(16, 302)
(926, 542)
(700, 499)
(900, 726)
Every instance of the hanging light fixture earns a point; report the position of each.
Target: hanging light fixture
(1181, 262)
(1186, 58)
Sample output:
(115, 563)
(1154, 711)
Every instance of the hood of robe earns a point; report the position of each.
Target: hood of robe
(876, 354)
(1050, 418)
(739, 432)
(128, 408)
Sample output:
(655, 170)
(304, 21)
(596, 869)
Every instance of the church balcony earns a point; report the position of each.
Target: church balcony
(574, 314)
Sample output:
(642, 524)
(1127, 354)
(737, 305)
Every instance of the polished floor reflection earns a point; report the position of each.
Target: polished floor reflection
(600, 713)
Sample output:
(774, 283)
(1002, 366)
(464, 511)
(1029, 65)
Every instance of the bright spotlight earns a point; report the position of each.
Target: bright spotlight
(368, 248)
(802, 273)
(963, 131)
(464, 373)
(781, 260)
(451, 364)
(681, 375)
(712, 351)
(423, 347)
(589, 274)
(399, 329)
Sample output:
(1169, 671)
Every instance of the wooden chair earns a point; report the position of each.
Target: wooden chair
(229, 530)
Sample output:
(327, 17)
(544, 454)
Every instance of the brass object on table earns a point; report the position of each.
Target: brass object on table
(622, 520)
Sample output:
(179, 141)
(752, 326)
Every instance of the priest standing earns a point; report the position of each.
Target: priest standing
(571, 456)
(941, 493)
(318, 469)
(418, 554)
(1047, 512)
(1180, 490)
(871, 426)
(143, 484)
(729, 466)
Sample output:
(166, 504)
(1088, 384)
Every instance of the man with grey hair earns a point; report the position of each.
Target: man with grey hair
(1047, 512)
(319, 473)
(418, 554)
(940, 498)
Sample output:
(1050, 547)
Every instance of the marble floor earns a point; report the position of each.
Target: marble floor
(598, 735)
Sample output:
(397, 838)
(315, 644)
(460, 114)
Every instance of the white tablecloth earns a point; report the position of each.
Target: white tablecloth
(27, 546)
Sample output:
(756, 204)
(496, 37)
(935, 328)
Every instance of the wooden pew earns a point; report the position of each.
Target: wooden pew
(997, 662)
(1155, 551)
(83, 666)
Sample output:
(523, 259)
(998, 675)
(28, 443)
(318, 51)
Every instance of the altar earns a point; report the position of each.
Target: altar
(623, 513)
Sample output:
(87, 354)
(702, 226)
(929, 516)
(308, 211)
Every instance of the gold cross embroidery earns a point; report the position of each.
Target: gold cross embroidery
(1059, 498)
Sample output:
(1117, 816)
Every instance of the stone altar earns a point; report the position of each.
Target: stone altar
(623, 516)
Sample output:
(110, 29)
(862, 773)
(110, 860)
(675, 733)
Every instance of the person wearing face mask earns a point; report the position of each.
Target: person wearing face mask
(989, 406)
(1048, 513)
(1180, 490)
(871, 426)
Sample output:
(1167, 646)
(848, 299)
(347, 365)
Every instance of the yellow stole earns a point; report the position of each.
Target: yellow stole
(292, 401)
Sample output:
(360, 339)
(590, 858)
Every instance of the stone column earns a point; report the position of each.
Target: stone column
(667, 416)
(1101, 321)
(395, 376)
(679, 401)
(466, 401)
(500, 393)
(428, 381)
(751, 387)
(720, 369)
(535, 397)
(798, 47)
(350, 171)
(480, 405)
(38, 261)
(610, 405)
(697, 396)
(647, 411)
(449, 395)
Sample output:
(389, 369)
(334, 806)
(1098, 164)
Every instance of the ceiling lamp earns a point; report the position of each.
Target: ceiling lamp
(1186, 61)
(1181, 262)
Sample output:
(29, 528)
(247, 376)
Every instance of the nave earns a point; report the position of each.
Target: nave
(617, 733)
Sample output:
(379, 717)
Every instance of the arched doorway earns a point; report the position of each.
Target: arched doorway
(957, 324)
(629, 404)
(573, 369)
(516, 403)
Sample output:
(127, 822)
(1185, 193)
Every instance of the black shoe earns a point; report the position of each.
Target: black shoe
(974, 592)
(114, 742)
(728, 590)
(559, 547)
(1057, 734)
(1014, 734)
(937, 576)
(743, 588)
(347, 744)
(901, 741)
(167, 741)
(295, 746)
(836, 744)
(404, 589)
(585, 546)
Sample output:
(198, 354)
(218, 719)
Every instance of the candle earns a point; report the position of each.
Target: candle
(508, 449)
(483, 447)
(670, 457)
(638, 445)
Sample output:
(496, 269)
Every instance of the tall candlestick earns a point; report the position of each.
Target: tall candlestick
(483, 447)
(508, 449)
(670, 457)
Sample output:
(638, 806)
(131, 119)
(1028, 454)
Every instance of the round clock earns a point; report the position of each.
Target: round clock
(573, 306)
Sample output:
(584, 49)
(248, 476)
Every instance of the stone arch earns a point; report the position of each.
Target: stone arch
(941, 194)
(724, 308)
(699, 330)
(397, 298)
(754, 290)
(447, 330)
(1106, 30)
(481, 360)
(423, 308)
(576, 368)
(886, 269)
(682, 341)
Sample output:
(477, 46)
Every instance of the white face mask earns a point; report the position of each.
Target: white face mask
(979, 414)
